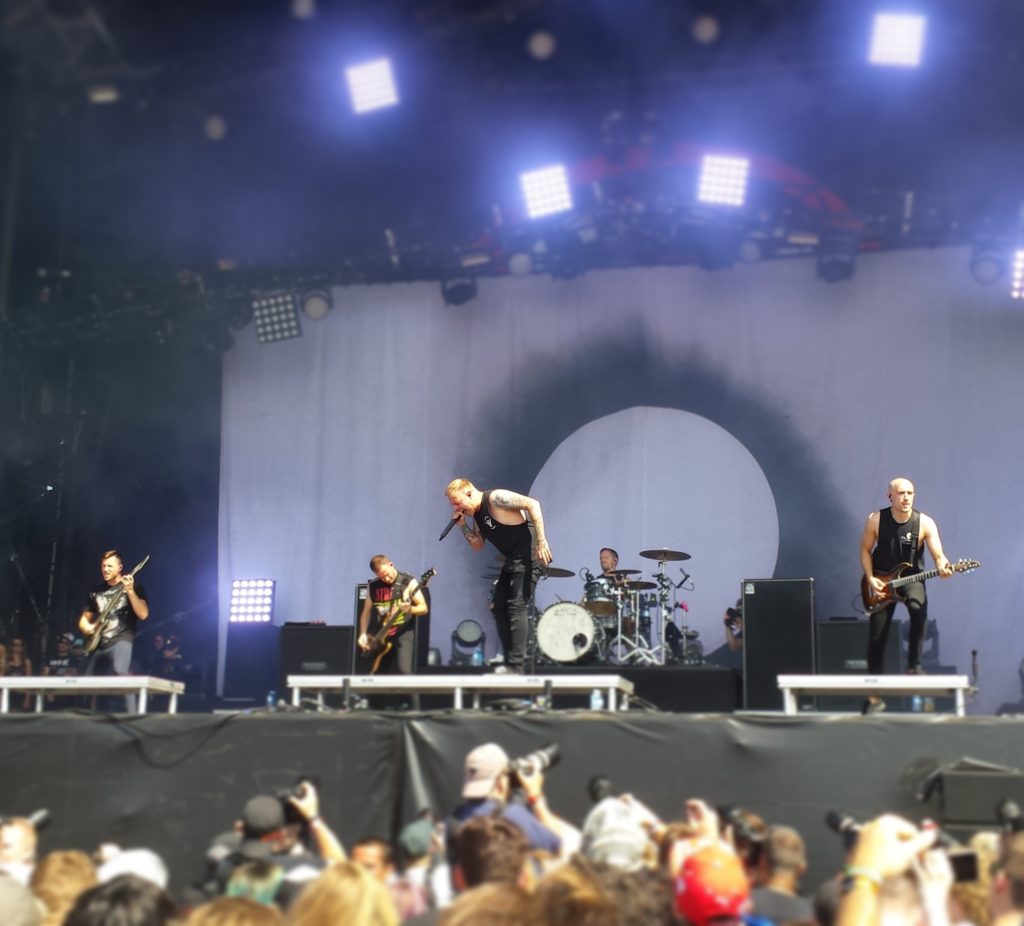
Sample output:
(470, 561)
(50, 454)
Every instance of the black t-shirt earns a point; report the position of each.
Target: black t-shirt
(62, 665)
(897, 543)
(382, 595)
(122, 620)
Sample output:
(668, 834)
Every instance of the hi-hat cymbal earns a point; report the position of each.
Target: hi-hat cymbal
(639, 586)
(664, 556)
(556, 572)
(623, 572)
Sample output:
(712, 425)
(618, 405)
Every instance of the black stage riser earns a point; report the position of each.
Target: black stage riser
(173, 782)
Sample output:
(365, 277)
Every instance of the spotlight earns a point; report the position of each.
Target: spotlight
(1017, 289)
(458, 291)
(468, 641)
(897, 40)
(316, 303)
(723, 180)
(837, 257)
(276, 317)
(252, 601)
(541, 45)
(371, 86)
(102, 94)
(988, 263)
(546, 191)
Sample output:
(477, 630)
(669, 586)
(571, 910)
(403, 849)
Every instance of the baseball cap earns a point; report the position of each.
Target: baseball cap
(710, 885)
(613, 833)
(67, 637)
(263, 816)
(483, 766)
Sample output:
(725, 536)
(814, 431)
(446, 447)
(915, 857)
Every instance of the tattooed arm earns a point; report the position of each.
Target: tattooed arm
(470, 531)
(530, 507)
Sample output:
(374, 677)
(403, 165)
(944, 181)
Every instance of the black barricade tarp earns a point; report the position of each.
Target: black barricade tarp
(174, 782)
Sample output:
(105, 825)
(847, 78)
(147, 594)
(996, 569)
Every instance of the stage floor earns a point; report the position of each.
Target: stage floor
(173, 782)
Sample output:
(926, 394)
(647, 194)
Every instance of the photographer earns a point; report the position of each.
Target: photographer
(515, 791)
(266, 834)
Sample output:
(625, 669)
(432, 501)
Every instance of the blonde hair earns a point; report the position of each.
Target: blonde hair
(57, 881)
(489, 905)
(457, 485)
(234, 911)
(343, 895)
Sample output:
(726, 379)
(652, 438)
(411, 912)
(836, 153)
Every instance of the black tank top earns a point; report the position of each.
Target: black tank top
(895, 542)
(513, 540)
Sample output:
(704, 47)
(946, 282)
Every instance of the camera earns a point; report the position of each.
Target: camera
(963, 861)
(540, 760)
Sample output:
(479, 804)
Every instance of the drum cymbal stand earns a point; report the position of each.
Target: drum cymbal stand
(620, 647)
(642, 652)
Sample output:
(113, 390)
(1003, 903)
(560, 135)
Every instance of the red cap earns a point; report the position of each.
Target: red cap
(711, 884)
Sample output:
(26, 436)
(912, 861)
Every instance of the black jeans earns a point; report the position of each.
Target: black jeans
(512, 597)
(917, 606)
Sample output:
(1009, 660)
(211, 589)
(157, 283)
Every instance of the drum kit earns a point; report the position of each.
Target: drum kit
(622, 619)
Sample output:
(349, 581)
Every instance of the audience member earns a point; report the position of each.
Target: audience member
(18, 845)
(782, 864)
(343, 895)
(489, 905)
(256, 880)
(57, 881)
(126, 899)
(234, 911)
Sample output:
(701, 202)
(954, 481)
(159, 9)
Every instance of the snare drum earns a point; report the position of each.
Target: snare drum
(599, 597)
(567, 633)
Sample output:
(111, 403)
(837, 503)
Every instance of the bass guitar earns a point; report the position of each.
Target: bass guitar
(382, 642)
(106, 615)
(895, 580)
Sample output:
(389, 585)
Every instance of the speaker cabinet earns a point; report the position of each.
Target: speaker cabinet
(842, 649)
(314, 649)
(778, 637)
(250, 662)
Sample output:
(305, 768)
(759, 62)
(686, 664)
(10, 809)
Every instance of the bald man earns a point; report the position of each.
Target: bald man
(892, 536)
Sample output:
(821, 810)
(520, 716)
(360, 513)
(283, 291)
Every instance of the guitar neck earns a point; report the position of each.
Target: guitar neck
(916, 577)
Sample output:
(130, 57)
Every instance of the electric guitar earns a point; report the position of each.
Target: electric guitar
(382, 642)
(106, 616)
(895, 580)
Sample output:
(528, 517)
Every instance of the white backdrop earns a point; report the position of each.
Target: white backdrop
(750, 417)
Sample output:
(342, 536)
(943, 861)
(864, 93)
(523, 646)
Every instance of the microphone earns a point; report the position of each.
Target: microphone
(448, 529)
(974, 667)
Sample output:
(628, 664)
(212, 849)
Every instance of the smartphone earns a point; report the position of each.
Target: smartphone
(964, 863)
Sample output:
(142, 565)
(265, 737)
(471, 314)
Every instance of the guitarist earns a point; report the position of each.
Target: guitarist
(389, 589)
(892, 536)
(113, 656)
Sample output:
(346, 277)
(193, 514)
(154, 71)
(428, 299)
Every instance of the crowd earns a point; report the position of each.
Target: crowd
(505, 857)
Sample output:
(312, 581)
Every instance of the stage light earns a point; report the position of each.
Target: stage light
(897, 40)
(723, 180)
(252, 601)
(102, 94)
(837, 256)
(541, 45)
(316, 303)
(276, 317)
(371, 85)
(468, 640)
(458, 291)
(1017, 289)
(546, 191)
(988, 263)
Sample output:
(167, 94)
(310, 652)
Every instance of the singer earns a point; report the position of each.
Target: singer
(515, 525)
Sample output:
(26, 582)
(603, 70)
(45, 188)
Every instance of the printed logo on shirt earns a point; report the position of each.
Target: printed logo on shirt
(488, 521)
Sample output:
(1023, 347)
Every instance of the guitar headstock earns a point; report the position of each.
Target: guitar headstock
(966, 565)
(427, 576)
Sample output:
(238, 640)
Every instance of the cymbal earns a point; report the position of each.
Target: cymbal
(622, 572)
(556, 572)
(638, 586)
(664, 555)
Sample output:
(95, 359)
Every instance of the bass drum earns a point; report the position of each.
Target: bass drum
(567, 633)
